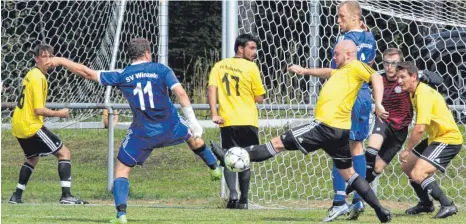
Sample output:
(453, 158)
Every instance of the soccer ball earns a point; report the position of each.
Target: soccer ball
(237, 159)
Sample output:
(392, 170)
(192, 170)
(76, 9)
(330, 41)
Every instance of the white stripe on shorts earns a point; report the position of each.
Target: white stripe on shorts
(47, 140)
(437, 151)
(301, 131)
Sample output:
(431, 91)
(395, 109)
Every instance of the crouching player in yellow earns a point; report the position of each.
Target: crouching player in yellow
(433, 153)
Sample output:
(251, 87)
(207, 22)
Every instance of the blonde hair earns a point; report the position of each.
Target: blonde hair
(353, 8)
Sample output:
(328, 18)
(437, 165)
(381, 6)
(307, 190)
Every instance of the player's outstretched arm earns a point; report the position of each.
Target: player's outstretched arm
(76, 68)
(377, 85)
(187, 109)
(323, 73)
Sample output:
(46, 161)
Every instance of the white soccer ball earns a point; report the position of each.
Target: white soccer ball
(237, 159)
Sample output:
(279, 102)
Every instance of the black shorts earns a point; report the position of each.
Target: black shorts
(42, 143)
(438, 154)
(242, 136)
(317, 135)
(392, 139)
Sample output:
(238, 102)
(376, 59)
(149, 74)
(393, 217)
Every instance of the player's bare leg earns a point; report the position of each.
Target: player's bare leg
(201, 149)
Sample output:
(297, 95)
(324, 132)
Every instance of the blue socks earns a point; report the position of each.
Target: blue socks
(120, 193)
(207, 156)
(339, 188)
(339, 185)
(359, 162)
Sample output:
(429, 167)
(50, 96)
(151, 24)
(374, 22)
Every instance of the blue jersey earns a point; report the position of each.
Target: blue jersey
(145, 86)
(365, 43)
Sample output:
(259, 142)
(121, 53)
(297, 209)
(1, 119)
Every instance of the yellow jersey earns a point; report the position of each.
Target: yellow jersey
(238, 82)
(337, 97)
(25, 122)
(432, 111)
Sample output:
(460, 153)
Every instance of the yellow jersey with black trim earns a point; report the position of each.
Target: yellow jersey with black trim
(238, 82)
(432, 111)
(337, 97)
(25, 123)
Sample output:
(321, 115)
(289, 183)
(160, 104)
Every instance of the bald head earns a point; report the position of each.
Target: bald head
(345, 51)
(348, 46)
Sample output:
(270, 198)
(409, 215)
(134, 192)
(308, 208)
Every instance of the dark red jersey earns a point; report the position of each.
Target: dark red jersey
(397, 104)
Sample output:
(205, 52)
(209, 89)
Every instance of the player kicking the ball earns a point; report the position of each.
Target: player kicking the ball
(156, 122)
(330, 130)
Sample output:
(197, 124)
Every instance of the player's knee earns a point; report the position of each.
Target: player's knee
(64, 153)
(406, 168)
(277, 144)
(33, 161)
(379, 166)
(121, 170)
(418, 175)
(195, 143)
(346, 172)
(356, 148)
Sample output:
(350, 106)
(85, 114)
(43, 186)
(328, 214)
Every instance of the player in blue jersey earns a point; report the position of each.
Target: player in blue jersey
(156, 122)
(349, 20)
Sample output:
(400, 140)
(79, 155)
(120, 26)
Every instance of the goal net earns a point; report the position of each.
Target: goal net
(83, 31)
(303, 32)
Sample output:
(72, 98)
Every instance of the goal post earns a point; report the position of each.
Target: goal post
(303, 32)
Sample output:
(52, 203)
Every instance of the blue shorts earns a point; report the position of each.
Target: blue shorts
(134, 149)
(360, 115)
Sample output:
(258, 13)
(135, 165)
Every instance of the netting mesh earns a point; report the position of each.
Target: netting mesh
(83, 31)
(303, 33)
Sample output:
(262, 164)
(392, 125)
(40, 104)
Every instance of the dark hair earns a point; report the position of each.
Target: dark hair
(393, 51)
(410, 66)
(242, 39)
(42, 48)
(137, 47)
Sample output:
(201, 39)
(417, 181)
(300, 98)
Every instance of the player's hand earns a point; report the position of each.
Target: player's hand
(380, 111)
(297, 69)
(404, 156)
(196, 128)
(63, 112)
(53, 62)
(218, 120)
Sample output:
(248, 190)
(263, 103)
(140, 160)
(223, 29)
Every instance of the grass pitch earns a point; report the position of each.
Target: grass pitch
(172, 187)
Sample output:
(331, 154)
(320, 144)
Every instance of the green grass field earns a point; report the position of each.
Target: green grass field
(172, 187)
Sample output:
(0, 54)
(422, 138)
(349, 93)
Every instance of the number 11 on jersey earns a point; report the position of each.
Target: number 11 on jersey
(141, 92)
